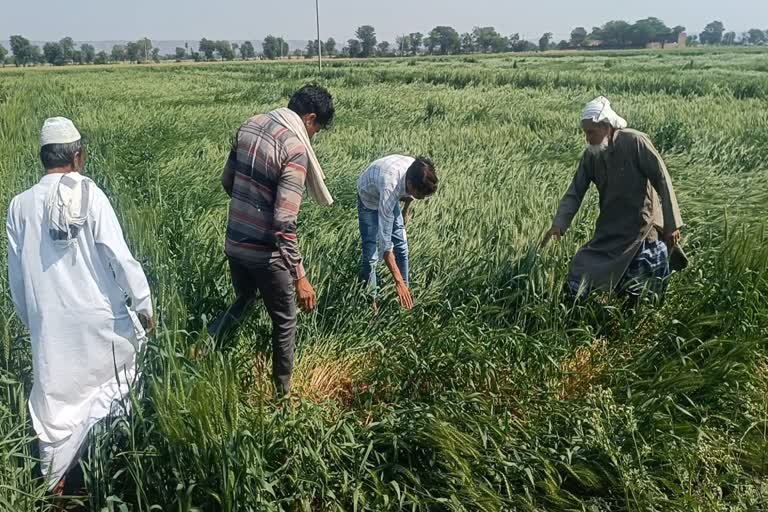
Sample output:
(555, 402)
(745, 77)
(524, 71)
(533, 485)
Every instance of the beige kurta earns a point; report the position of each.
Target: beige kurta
(637, 202)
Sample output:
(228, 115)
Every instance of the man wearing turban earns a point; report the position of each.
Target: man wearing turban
(639, 221)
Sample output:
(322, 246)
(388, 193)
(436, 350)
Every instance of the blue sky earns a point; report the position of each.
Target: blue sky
(295, 19)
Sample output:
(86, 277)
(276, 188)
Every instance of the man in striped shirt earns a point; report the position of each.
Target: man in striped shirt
(265, 177)
(380, 190)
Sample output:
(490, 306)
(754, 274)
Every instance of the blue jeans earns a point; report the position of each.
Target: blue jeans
(369, 232)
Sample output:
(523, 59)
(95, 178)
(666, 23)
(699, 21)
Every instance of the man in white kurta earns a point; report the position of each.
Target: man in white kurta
(70, 273)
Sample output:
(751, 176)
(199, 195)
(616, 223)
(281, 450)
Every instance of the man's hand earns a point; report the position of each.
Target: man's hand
(404, 294)
(306, 294)
(672, 239)
(58, 490)
(555, 233)
(148, 323)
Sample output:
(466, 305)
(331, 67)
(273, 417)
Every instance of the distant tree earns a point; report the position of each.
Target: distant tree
(235, 49)
(22, 51)
(155, 55)
(298, 52)
(225, 51)
(144, 47)
(68, 48)
(513, 43)
(354, 48)
(756, 36)
(503, 44)
(382, 50)
(53, 54)
(544, 41)
(36, 55)
(78, 57)
(444, 40)
(614, 34)
(676, 31)
(693, 39)
(197, 56)
(467, 43)
(89, 53)
(649, 30)
(118, 53)
(713, 33)
(181, 53)
(415, 41)
(207, 48)
(247, 51)
(101, 58)
(489, 40)
(401, 45)
(330, 47)
(429, 46)
(274, 47)
(563, 45)
(3, 55)
(367, 37)
(595, 35)
(729, 38)
(132, 51)
(311, 49)
(578, 36)
(518, 44)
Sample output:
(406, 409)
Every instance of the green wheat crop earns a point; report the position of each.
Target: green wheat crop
(495, 393)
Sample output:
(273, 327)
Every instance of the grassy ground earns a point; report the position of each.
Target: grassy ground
(494, 393)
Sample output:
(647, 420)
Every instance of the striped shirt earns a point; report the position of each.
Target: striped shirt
(267, 167)
(380, 188)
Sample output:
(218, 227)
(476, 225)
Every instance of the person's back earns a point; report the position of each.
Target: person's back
(267, 156)
(387, 170)
(269, 165)
(67, 291)
(70, 275)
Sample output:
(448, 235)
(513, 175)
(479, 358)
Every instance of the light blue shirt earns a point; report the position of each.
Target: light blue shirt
(380, 187)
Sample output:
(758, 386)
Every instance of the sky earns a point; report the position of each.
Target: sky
(96, 20)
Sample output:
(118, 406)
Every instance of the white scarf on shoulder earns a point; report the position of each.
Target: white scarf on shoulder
(69, 201)
(315, 177)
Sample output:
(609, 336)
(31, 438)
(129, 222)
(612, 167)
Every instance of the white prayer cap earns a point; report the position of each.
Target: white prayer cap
(58, 130)
(599, 110)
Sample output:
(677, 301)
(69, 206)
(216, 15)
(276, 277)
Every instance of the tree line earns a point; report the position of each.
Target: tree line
(616, 34)
(441, 40)
(620, 34)
(64, 52)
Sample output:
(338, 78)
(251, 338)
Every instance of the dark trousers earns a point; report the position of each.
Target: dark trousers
(276, 286)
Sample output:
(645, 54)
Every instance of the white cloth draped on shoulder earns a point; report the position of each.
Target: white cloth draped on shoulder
(315, 177)
(68, 204)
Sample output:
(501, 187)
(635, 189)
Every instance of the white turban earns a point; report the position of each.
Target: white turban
(58, 130)
(599, 111)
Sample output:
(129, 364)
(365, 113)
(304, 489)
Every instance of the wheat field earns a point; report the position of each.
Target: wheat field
(495, 393)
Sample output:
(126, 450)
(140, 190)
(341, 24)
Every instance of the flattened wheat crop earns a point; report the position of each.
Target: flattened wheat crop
(495, 393)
